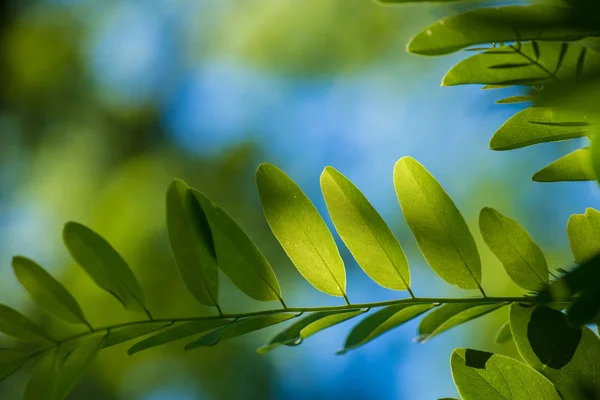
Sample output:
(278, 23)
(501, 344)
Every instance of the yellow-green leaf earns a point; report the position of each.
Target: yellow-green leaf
(514, 99)
(301, 231)
(15, 324)
(238, 256)
(43, 384)
(521, 256)
(575, 166)
(364, 231)
(192, 244)
(504, 334)
(47, 291)
(441, 231)
(129, 332)
(583, 231)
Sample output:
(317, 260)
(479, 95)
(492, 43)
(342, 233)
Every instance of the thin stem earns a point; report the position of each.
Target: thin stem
(481, 290)
(219, 310)
(412, 295)
(282, 303)
(346, 299)
(148, 314)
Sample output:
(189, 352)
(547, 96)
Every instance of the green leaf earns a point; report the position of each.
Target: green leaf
(595, 154)
(567, 355)
(366, 234)
(504, 334)
(43, 384)
(492, 87)
(47, 291)
(177, 332)
(583, 231)
(499, 24)
(382, 321)
(536, 125)
(522, 258)
(238, 256)
(575, 166)
(517, 64)
(481, 375)
(77, 364)
(239, 328)
(15, 324)
(11, 360)
(450, 315)
(308, 326)
(192, 244)
(130, 332)
(441, 232)
(103, 264)
(515, 99)
(301, 231)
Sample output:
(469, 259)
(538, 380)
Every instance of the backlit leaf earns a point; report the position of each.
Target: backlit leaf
(238, 256)
(366, 234)
(239, 328)
(575, 166)
(522, 258)
(504, 334)
(11, 360)
(173, 333)
(15, 324)
(514, 99)
(583, 231)
(43, 384)
(382, 321)
(128, 332)
(441, 232)
(308, 326)
(536, 125)
(103, 264)
(499, 24)
(450, 315)
(192, 244)
(567, 355)
(480, 375)
(47, 291)
(301, 231)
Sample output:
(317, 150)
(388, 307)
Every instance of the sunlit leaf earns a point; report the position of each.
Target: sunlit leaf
(536, 125)
(128, 332)
(514, 99)
(103, 264)
(43, 384)
(382, 321)
(499, 24)
(171, 334)
(47, 291)
(575, 166)
(595, 153)
(15, 324)
(504, 334)
(450, 315)
(567, 355)
(308, 326)
(238, 256)
(192, 244)
(239, 328)
(11, 360)
(479, 375)
(517, 64)
(441, 231)
(301, 231)
(366, 234)
(521, 256)
(583, 231)
(493, 87)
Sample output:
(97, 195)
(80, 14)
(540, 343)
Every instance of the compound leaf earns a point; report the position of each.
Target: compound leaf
(129, 332)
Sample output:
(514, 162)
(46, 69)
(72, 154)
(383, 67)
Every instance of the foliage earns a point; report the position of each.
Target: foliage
(539, 48)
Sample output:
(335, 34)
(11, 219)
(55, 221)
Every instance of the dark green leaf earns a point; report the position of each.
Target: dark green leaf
(301, 231)
(366, 234)
(500, 24)
(450, 315)
(504, 334)
(177, 332)
(239, 328)
(238, 256)
(515, 99)
(308, 326)
(595, 154)
(479, 375)
(15, 324)
(103, 264)
(441, 231)
(382, 321)
(583, 231)
(192, 244)
(47, 291)
(522, 258)
(567, 355)
(536, 125)
(11, 360)
(575, 166)
(129, 332)
(43, 384)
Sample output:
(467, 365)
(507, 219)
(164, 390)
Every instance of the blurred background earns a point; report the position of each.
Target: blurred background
(102, 103)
